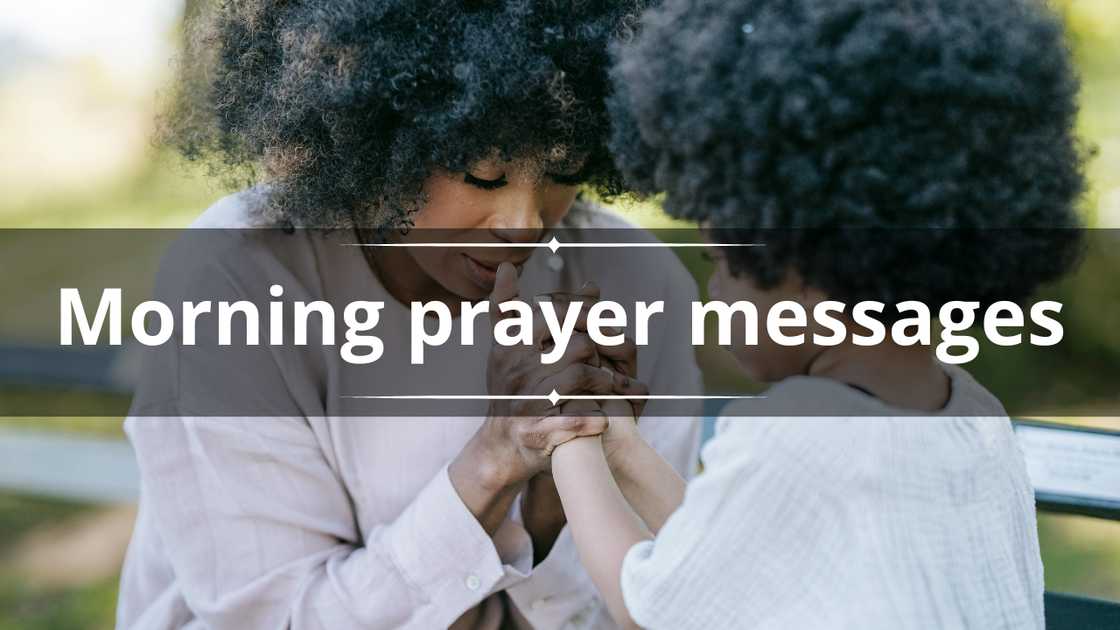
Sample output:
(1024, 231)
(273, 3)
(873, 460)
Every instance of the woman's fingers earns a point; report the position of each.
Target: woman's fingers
(583, 380)
(543, 337)
(590, 289)
(580, 407)
(626, 385)
(539, 433)
(578, 379)
(582, 418)
(560, 301)
(505, 289)
(623, 357)
(580, 349)
(635, 390)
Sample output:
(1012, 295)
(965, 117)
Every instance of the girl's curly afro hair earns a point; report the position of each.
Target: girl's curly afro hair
(345, 107)
(845, 123)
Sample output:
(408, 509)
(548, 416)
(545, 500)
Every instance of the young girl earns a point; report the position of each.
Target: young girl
(925, 125)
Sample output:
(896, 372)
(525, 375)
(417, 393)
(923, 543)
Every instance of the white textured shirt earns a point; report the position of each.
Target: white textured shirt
(861, 522)
(305, 519)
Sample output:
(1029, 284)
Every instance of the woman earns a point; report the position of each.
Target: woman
(390, 120)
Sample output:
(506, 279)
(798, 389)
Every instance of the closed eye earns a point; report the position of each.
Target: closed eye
(485, 184)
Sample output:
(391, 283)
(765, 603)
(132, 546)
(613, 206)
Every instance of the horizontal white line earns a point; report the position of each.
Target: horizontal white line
(553, 246)
(546, 397)
(502, 245)
(458, 397)
(661, 244)
(654, 397)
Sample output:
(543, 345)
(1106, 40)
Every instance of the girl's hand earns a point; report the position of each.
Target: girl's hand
(622, 433)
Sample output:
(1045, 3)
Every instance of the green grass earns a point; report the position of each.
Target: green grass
(24, 606)
(21, 514)
(88, 607)
(107, 427)
(1080, 555)
(52, 409)
(164, 192)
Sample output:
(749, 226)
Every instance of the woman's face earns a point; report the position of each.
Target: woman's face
(493, 202)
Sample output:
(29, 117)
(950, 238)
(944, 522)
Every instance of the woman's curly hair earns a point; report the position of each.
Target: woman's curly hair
(345, 107)
(902, 149)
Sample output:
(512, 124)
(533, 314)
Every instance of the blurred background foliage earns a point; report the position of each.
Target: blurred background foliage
(79, 86)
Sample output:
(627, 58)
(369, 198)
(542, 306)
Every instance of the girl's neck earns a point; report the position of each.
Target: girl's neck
(904, 377)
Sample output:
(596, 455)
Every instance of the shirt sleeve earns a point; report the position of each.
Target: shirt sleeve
(260, 533)
(258, 527)
(761, 534)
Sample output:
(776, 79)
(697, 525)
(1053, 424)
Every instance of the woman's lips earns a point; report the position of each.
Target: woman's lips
(481, 273)
(484, 273)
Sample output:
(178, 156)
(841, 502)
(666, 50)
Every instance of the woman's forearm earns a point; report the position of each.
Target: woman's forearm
(485, 491)
(603, 525)
(650, 484)
(542, 515)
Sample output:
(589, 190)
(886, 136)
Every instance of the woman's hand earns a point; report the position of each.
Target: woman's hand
(522, 428)
(622, 360)
(522, 432)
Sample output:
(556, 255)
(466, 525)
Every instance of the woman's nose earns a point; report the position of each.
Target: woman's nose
(521, 221)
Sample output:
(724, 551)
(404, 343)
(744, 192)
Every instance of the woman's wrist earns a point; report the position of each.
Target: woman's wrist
(540, 504)
(481, 483)
(484, 466)
(542, 514)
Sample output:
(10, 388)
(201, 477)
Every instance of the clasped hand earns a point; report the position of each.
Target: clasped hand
(521, 433)
(511, 451)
